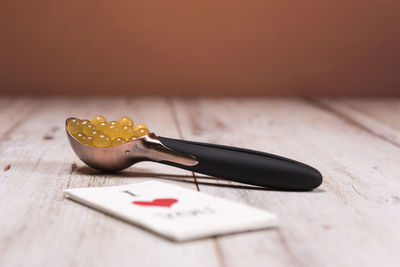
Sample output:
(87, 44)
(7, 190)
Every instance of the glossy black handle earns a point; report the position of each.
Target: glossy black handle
(246, 166)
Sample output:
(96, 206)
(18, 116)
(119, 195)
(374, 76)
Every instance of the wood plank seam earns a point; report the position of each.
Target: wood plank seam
(370, 115)
(176, 121)
(353, 107)
(349, 120)
(285, 246)
(218, 252)
(217, 247)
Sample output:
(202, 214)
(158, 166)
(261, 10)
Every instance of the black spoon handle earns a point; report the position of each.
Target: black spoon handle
(246, 166)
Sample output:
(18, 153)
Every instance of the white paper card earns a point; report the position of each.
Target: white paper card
(177, 213)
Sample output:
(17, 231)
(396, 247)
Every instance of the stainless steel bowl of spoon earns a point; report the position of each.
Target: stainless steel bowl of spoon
(115, 158)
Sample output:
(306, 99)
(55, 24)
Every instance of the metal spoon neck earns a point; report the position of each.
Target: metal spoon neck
(151, 148)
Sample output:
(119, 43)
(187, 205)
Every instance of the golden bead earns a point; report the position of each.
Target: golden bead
(89, 140)
(126, 121)
(74, 126)
(141, 132)
(101, 126)
(116, 123)
(85, 122)
(98, 119)
(139, 126)
(117, 141)
(132, 138)
(88, 128)
(112, 130)
(94, 133)
(101, 140)
(81, 137)
(126, 132)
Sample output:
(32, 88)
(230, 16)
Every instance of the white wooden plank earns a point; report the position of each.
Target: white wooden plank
(352, 220)
(42, 228)
(379, 117)
(386, 110)
(14, 111)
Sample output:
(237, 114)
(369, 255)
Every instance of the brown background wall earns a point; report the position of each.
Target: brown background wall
(271, 47)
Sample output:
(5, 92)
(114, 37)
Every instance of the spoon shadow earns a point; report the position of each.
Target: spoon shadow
(140, 173)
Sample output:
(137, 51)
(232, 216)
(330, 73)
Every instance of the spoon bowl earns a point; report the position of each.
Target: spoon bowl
(115, 158)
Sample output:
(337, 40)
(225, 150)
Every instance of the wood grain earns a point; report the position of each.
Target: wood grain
(351, 220)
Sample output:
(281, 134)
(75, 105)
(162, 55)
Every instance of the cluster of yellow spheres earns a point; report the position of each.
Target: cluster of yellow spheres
(100, 133)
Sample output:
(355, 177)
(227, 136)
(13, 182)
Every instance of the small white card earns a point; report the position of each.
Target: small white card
(177, 213)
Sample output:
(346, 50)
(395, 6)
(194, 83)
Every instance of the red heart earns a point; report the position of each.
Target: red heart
(158, 202)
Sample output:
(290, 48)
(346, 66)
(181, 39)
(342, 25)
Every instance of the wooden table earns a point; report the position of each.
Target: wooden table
(353, 219)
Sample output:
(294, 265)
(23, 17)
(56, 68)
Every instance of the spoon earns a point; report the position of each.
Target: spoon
(231, 163)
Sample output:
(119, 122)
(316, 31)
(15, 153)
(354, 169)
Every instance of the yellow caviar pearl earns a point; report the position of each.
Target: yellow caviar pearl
(126, 132)
(81, 137)
(85, 122)
(139, 126)
(89, 140)
(132, 138)
(118, 141)
(126, 121)
(116, 123)
(142, 132)
(94, 133)
(112, 130)
(101, 140)
(88, 128)
(101, 126)
(98, 119)
(74, 126)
